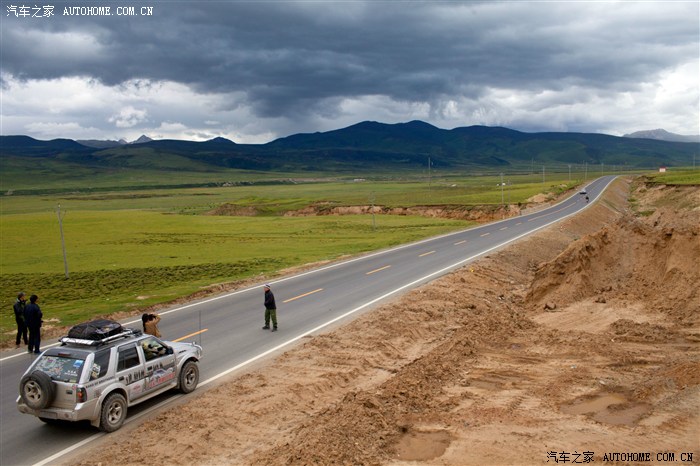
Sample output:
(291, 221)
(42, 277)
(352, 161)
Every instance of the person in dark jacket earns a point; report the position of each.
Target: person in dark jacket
(270, 309)
(32, 317)
(20, 303)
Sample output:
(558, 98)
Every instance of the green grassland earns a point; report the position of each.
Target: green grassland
(121, 259)
(128, 249)
(678, 177)
(25, 175)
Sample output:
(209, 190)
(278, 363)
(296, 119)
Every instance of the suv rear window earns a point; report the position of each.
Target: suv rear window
(61, 368)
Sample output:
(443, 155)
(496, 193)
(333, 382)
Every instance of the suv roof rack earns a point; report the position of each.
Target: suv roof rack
(125, 333)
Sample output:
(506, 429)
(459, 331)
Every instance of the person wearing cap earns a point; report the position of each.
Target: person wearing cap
(270, 309)
(20, 303)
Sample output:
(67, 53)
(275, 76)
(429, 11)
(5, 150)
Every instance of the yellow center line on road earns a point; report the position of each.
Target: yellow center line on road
(426, 253)
(460, 242)
(485, 234)
(191, 334)
(302, 295)
(377, 270)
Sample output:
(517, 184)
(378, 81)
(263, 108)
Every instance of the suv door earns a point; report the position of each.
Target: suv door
(160, 364)
(130, 370)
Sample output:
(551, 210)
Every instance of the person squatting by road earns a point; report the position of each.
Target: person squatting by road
(20, 304)
(150, 324)
(270, 309)
(32, 317)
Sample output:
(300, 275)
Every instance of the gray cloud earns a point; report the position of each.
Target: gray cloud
(293, 65)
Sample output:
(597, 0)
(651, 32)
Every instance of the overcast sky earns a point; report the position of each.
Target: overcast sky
(253, 71)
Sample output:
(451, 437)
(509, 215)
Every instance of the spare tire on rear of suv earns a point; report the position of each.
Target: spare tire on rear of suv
(37, 390)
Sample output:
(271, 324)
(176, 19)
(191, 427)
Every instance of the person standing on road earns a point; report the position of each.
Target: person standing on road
(20, 304)
(150, 324)
(32, 317)
(270, 309)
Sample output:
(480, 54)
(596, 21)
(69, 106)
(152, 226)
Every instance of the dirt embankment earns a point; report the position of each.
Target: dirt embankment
(460, 212)
(471, 369)
(476, 213)
(479, 213)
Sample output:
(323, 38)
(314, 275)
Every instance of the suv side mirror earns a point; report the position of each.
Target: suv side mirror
(169, 350)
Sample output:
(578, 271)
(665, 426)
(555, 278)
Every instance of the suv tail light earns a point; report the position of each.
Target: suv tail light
(81, 395)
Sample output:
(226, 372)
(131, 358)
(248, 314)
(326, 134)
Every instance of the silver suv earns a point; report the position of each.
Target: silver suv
(98, 378)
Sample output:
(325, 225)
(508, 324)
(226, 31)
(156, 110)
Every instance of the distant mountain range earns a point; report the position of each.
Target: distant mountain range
(364, 147)
(99, 144)
(662, 135)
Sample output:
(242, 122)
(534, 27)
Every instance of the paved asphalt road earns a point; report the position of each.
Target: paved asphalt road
(229, 326)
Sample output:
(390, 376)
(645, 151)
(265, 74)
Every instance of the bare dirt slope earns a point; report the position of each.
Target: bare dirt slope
(576, 342)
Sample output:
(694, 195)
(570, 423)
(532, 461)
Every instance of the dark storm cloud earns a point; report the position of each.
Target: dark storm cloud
(293, 59)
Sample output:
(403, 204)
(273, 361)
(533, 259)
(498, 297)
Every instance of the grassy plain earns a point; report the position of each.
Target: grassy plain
(678, 177)
(130, 249)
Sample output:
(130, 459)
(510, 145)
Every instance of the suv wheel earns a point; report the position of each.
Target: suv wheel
(113, 412)
(189, 377)
(36, 390)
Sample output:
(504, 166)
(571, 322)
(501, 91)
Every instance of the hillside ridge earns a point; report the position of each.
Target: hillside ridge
(371, 146)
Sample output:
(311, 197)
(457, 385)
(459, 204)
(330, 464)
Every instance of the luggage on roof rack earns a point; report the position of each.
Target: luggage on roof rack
(97, 332)
(95, 329)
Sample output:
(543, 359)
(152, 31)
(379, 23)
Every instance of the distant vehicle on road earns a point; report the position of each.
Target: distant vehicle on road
(583, 191)
(100, 370)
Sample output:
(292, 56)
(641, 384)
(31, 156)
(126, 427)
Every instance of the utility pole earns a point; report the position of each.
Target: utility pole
(371, 200)
(569, 173)
(501, 190)
(429, 175)
(542, 176)
(585, 176)
(63, 243)
(508, 184)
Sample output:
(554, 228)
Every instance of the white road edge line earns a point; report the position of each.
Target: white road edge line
(69, 449)
(288, 342)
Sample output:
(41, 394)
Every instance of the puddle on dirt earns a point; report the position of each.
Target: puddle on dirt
(608, 408)
(422, 446)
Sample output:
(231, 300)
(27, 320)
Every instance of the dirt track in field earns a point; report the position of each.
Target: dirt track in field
(583, 339)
